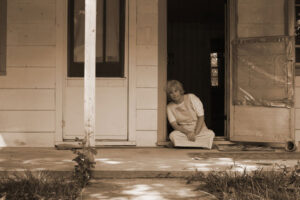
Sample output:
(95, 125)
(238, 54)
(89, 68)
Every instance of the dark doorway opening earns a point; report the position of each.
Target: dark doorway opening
(196, 34)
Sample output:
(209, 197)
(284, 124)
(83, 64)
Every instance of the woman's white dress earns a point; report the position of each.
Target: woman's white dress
(186, 115)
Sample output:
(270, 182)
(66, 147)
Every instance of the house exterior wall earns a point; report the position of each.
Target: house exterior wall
(30, 93)
(146, 72)
(27, 92)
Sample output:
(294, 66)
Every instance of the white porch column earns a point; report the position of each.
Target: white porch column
(89, 71)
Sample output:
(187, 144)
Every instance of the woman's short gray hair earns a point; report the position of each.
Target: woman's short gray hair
(174, 84)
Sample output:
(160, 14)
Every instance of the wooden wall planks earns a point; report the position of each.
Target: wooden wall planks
(27, 121)
(27, 92)
(27, 99)
(28, 77)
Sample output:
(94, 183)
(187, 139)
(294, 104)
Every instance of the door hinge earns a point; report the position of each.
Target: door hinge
(63, 123)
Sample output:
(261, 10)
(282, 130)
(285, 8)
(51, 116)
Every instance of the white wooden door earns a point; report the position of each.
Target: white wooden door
(111, 108)
(262, 73)
(111, 70)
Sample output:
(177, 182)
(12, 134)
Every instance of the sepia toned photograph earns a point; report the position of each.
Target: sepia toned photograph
(149, 99)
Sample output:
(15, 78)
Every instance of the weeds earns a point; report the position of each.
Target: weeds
(44, 185)
(258, 185)
(84, 162)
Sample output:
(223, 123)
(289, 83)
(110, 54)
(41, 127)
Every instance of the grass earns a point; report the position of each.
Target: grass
(43, 185)
(38, 186)
(257, 185)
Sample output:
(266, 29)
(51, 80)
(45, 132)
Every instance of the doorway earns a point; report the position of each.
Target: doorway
(196, 54)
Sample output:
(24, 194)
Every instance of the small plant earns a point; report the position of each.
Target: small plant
(84, 162)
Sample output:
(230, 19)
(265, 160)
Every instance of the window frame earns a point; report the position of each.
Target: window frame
(3, 36)
(104, 69)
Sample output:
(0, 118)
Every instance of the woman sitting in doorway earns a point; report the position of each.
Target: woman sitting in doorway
(186, 116)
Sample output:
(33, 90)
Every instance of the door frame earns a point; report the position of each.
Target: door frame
(129, 62)
(162, 73)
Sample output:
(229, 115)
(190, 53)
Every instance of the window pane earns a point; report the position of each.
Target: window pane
(78, 31)
(112, 30)
(109, 38)
(99, 32)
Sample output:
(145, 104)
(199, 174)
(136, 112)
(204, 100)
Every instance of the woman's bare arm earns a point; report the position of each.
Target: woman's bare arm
(199, 125)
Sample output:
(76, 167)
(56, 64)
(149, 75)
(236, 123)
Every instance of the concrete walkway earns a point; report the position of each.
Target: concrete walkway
(144, 189)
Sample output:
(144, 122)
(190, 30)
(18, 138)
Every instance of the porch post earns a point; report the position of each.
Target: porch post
(89, 71)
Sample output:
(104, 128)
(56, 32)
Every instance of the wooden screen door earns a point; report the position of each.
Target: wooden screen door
(262, 74)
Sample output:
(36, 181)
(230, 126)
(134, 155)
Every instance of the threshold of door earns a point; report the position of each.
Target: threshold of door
(115, 143)
(217, 140)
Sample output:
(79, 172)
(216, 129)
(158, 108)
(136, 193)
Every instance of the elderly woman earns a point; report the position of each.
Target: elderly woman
(186, 116)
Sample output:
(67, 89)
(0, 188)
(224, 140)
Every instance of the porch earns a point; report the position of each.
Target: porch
(125, 162)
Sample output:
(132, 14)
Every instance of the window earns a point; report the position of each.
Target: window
(3, 4)
(109, 38)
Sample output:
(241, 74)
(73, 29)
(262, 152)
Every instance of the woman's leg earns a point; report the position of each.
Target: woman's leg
(205, 138)
(177, 136)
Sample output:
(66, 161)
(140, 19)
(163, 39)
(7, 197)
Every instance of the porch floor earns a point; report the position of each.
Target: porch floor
(144, 162)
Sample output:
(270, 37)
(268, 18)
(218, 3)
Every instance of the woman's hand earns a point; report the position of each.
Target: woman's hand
(191, 136)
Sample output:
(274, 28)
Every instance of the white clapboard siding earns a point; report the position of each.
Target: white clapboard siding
(33, 11)
(27, 121)
(25, 77)
(146, 72)
(146, 120)
(146, 138)
(146, 76)
(30, 34)
(147, 55)
(39, 56)
(26, 139)
(146, 36)
(27, 92)
(146, 98)
(27, 99)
